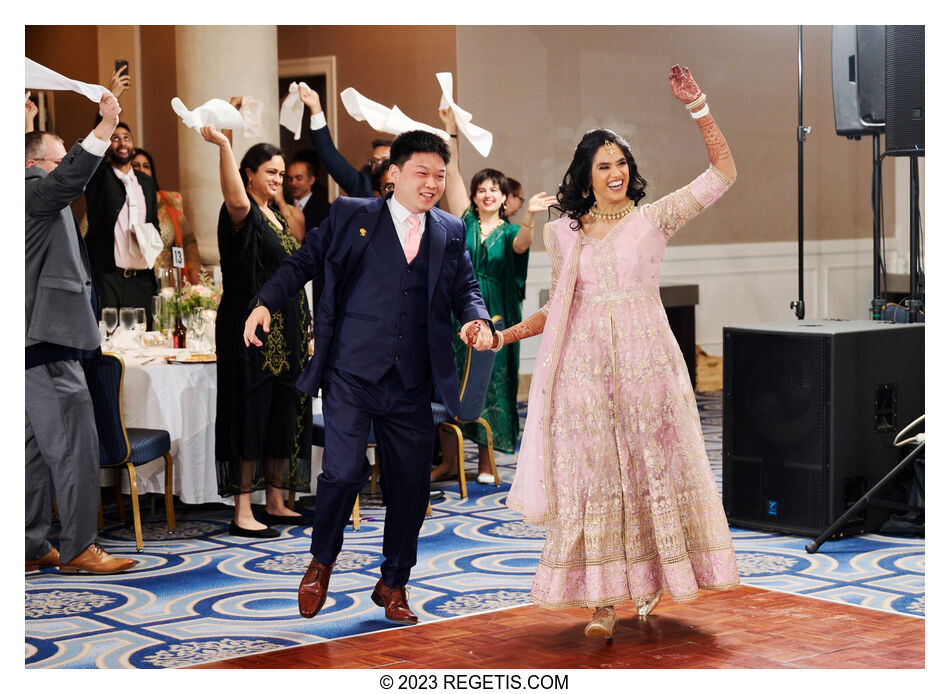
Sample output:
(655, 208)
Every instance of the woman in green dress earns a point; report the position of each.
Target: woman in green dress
(499, 250)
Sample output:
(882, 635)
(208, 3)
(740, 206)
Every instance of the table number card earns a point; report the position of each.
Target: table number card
(178, 257)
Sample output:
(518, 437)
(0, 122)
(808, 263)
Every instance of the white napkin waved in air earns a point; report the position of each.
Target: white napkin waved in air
(480, 138)
(380, 118)
(40, 77)
(216, 112)
(291, 109)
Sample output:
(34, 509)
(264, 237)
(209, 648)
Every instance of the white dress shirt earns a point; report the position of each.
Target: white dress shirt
(302, 202)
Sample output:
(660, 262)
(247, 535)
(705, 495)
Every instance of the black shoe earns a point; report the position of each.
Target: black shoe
(436, 494)
(286, 520)
(238, 531)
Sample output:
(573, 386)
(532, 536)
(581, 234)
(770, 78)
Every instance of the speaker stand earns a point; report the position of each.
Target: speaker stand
(877, 302)
(868, 498)
(799, 305)
(914, 304)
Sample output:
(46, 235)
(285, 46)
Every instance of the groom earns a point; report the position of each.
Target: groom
(387, 275)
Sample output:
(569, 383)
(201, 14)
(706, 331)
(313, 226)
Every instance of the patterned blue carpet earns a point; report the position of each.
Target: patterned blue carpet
(199, 595)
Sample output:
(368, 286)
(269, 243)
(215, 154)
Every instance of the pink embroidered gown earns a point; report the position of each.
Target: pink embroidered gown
(612, 459)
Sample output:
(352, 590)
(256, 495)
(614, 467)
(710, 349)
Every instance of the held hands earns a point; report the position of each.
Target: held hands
(259, 316)
(684, 86)
(540, 202)
(214, 136)
(492, 343)
(476, 334)
(311, 98)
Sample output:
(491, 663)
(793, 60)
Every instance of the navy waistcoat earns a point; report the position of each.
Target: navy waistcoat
(383, 321)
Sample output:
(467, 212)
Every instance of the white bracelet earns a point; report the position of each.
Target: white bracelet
(700, 100)
(501, 342)
(700, 113)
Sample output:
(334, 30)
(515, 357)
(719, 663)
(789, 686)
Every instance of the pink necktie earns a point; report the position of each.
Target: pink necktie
(412, 242)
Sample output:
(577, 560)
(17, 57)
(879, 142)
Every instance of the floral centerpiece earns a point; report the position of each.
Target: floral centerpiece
(205, 294)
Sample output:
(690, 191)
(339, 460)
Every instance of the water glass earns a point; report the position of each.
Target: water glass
(111, 318)
(127, 318)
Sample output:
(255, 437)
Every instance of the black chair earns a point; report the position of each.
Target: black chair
(119, 446)
(473, 387)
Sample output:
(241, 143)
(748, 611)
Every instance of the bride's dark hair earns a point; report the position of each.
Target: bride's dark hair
(574, 196)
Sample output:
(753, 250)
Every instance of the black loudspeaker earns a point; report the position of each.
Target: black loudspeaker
(857, 79)
(904, 89)
(810, 412)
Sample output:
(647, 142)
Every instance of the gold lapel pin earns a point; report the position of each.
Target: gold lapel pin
(362, 232)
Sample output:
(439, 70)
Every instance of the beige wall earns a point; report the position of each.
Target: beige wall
(538, 89)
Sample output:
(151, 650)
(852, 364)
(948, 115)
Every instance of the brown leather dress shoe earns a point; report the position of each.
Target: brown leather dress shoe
(395, 602)
(51, 558)
(313, 589)
(95, 560)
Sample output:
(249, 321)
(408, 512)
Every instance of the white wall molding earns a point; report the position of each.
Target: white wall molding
(747, 283)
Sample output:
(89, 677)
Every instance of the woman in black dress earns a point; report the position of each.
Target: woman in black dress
(262, 430)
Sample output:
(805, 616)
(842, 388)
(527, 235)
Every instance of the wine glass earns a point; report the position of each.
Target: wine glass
(198, 325)
(141, 322)
(158, 306)
(127, 318)
(111, 318)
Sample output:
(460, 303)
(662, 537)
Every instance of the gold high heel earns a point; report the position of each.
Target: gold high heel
(602, 625)
(645, 607)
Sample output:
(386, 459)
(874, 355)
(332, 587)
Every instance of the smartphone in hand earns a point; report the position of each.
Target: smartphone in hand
(121, 65)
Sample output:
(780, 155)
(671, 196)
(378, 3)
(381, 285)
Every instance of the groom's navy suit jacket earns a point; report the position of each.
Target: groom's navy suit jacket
(356, 314)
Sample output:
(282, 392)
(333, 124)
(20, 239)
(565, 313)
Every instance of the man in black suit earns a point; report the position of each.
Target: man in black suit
(300, 181)
(62, 448)
(116, 198)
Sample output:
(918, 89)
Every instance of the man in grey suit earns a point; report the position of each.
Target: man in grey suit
(62, 448)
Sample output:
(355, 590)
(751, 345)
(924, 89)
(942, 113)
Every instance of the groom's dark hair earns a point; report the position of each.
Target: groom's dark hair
(412, 141)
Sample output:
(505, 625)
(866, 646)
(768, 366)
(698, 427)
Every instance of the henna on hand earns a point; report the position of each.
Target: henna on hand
(529, 327)
(684, 86)
(472, 334)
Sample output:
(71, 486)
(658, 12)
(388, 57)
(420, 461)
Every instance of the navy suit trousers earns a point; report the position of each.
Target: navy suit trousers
(405, 433)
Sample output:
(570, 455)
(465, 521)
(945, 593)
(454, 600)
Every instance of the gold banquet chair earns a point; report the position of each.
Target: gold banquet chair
(473, 387)
(120, 447)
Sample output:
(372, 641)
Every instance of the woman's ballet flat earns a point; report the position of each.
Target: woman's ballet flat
(602, 625)
(645, 608)
(263, 533)
(485, 478)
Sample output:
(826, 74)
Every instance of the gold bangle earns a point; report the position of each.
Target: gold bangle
(700, 100)
(525, 224)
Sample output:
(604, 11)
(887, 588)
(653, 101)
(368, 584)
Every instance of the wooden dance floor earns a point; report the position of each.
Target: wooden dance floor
(743, 628)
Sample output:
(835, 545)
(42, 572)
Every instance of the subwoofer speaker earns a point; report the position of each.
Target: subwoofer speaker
(857, 79)
(810, 411)
(904, 89)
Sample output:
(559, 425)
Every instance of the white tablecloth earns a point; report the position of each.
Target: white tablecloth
(179, 398)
